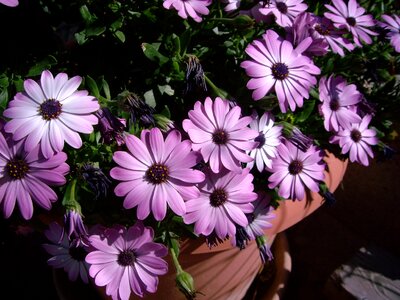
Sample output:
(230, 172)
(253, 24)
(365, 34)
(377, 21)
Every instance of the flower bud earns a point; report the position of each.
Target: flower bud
(185, 283)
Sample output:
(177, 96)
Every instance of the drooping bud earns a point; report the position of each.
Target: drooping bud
(111, 128)
(195, 81)
(140, 111)
(96, 179)
(296, 137)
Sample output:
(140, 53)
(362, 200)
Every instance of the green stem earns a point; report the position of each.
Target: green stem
(176, 261)
(216, 90)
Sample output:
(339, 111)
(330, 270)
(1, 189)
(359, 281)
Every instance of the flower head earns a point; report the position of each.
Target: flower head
(127, 260)
(111, 128)
(25, 177)
(155, 172)
(224, 200)
(392, 25)
(352, 18)
(66, 255)
(260, 219)
(284, 10)
(268, 139)
(294, 170)
(337, 97)
(220, 134)
(74, 228)
(277, 65)
(189, 8)
(357, 140)
(51, 113)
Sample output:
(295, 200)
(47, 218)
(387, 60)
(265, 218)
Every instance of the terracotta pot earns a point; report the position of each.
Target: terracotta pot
(225, 272)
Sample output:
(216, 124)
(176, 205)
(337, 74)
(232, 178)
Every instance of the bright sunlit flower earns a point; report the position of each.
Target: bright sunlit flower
(392, 25)
(51, 113)
(220, 134)
(156, 172)
(65, 254)
(352, 18)
(294, 170)
(337, 97)
(357, 140)
(284, 10)
(224, 200)
(11, 3)
(189, 8)
(25, 177)
(275, 64)
(127, 260)
(268, 139)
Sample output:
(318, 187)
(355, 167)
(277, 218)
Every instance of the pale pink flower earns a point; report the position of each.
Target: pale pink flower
(392, 25)
(284, 10)
(11, 3)
(189, 8)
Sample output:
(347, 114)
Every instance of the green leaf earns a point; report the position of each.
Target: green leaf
(120, 35)
(306, 112)
(92, 85)
(152, 53)
(86, 15)
(4, 82)
(42, 65)
(116, 24)
(95, 31)
(166, 89)
(174, 246)
(80, 37)
(149, 98)
(106, 89)
(3, 98)
(166, 112)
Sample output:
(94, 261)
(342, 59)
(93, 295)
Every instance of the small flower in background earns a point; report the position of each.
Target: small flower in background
(265, 250)
(284, 10)
(268, 139)
(294, 170)
(25, 177)
(155, 172)
(224, 200)
(277, 65)
(298, 33)
(111, 128)
(50, 113)
(323, 28)
(189, 8)
(294, 135)
(231, 5)
(65, 255)
(337, 98)
(357, 140)
(11, 3)
(96, 179)
(140, 111)
(352, 18)
(127, 260)
(74, 228)
(392, 25)
(220, 134)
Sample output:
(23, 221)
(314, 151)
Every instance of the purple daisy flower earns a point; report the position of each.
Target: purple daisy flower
(357, 140)
(300, 31)
(322, 28)
(268, 139)
(231, 5)
(260, 219)
(65, 255)
(50, 113)
(337, 97)
(155, 172)
(284, 10)
(224, 200)
(294, 170)
(218, 132)
(126, 260)
(189, 8)
(26, 176)
(392, 25)
(352, 18)
(276, 64)
(74, 228)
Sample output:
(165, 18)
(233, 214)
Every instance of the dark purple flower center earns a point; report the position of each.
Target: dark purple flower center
(261, 140)
(295, 167)
(321, 29)
(17, 168)
(282, 7)
(157, 174)
(218, 197)
(126, 258)
(351, 21)
(355, 135)
(280, 71)
(334, 105)
(220, 137)
(50, 109)
(77, 253)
